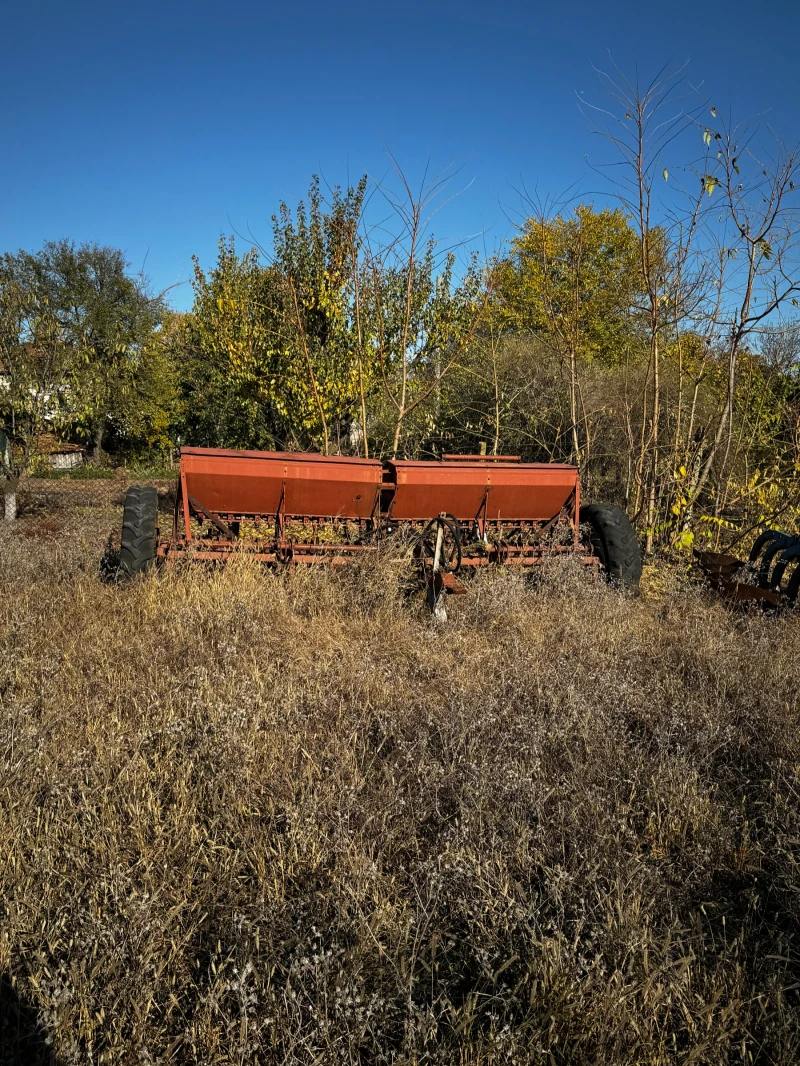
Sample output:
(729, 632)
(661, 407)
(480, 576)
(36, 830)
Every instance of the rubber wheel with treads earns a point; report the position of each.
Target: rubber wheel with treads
(138, 546)
(615, 543)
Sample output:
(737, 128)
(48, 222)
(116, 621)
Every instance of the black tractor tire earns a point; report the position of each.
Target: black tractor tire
(139, 535)
(615, 543)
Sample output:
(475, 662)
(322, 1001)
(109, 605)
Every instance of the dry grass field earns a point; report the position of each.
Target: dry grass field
(258, 818)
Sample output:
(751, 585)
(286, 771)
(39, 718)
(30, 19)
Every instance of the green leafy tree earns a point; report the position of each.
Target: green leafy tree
(424, 322)
(232, 341)
(150, 414)
(280, 353)
(337, 341)
(375, 320)
(107, 316)
(574, 280)
(718, 251)
(36, 361)
(328, 366)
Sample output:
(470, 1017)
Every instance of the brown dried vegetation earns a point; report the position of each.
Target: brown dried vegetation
(258, 818)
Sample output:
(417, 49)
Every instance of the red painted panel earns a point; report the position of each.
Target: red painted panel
(235, 482)
(516, 492)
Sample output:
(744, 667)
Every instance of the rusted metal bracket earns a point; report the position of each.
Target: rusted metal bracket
(435, 589)
(198, 508)
(553, 522)
(480, 517)
(176, 511)
(279, 516)
(447, 582)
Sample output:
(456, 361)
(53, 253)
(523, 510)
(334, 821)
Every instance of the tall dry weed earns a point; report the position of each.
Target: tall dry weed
(248, 817)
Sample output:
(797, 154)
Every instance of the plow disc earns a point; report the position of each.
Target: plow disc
(769, 576)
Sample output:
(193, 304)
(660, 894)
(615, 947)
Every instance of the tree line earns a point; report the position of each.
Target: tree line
(650, 340)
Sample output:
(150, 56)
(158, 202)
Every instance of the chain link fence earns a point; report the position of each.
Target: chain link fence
(86, 504)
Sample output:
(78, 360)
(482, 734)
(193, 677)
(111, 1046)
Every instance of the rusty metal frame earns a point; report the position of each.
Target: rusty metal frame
(519, 542)
(187, 517)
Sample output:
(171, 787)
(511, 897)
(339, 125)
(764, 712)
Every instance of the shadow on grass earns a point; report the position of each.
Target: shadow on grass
(23, 1041)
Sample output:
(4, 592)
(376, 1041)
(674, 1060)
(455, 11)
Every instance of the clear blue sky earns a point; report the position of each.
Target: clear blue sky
(157, 126)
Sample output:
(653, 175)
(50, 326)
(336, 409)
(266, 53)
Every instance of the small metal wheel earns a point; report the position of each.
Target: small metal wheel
(450, 555)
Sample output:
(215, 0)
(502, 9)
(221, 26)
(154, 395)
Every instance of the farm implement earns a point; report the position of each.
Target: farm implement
(461, 513)
(770, 576)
